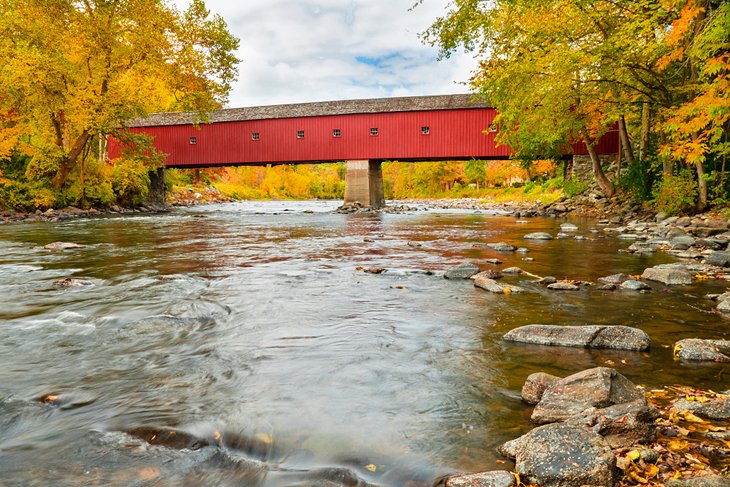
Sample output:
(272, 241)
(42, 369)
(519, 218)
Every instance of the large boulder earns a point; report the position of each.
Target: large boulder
(718, 408)
(499, 478)
(592, 336)
(621, 424)
(702, 350)
(462, 271)
(536, 385)
(562, 455)
(599, 387)
(495, 287)
(668, 276)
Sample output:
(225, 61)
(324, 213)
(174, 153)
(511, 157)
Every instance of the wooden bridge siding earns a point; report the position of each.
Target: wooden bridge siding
(453, 134)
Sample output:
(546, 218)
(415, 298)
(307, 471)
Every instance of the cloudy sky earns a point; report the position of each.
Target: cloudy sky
(316, 50)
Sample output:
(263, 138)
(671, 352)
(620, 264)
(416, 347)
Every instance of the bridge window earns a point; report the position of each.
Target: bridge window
(493, 128)
(254, 136)
(193, 140)
(374, 131)
(425, 130)
(300, 134)
(337, 133)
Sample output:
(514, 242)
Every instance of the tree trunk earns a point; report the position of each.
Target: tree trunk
(625, 141)
(604, 183)
(645, 130)
(69, 161)
(702, 185)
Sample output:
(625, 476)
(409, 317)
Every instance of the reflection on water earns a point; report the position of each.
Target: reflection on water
(246, 333)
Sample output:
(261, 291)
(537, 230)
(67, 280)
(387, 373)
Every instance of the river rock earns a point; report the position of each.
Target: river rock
(682, 242)
(720, 259)
(621, 424)
(62, 246)
(613, 279)
(502, 247)
(670, 277)
(711, 244)
(702, 350)
(512, 270)
(494, 287)
(568, 227)
(535, 386)
(488, 274)
(700, 481)
(70, 282)
(591, 336)
(538, 236)
(499, 478)
(493, 261)
(462, 271)
(599, 387)
(563, 286)
(633, 285)
(169, 437)
(718, 408)
(562, 455)
(546, 280)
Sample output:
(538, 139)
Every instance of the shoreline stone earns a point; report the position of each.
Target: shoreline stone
(599, 387)
(562, 455)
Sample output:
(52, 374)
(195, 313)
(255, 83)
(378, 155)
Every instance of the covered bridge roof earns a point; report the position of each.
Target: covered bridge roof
(317, 109)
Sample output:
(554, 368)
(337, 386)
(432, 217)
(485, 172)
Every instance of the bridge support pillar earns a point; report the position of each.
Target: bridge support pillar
(364, 183)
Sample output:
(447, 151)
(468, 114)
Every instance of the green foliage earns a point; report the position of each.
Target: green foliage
(44, 165)
(676, 193)
(94, 189)
(130, 181)
(638, 180)
(574, 187)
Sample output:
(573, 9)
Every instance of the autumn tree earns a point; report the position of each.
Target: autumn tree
(77, 71)
(560, 71)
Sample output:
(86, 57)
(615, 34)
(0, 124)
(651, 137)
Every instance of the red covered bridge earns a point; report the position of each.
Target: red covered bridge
(362, 132)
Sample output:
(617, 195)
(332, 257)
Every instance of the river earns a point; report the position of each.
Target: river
(249, 325)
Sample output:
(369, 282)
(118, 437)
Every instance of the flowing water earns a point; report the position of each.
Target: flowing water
(248, 327)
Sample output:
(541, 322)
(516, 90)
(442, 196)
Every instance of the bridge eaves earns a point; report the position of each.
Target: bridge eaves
(317, 109)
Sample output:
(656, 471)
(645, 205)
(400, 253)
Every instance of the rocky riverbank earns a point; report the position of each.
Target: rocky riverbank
(600, 429)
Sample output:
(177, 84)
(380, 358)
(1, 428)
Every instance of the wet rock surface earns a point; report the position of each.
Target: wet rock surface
(668, 276)
(591, 336)
(463, 271)
(563, 455)
(621, 425)
(599, 387)
(702, 350)
(538, 236)
(718, 408)
(536, 385)
(495, 287)
(499, 478)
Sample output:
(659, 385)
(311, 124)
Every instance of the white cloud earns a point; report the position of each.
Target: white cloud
(315, 50)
